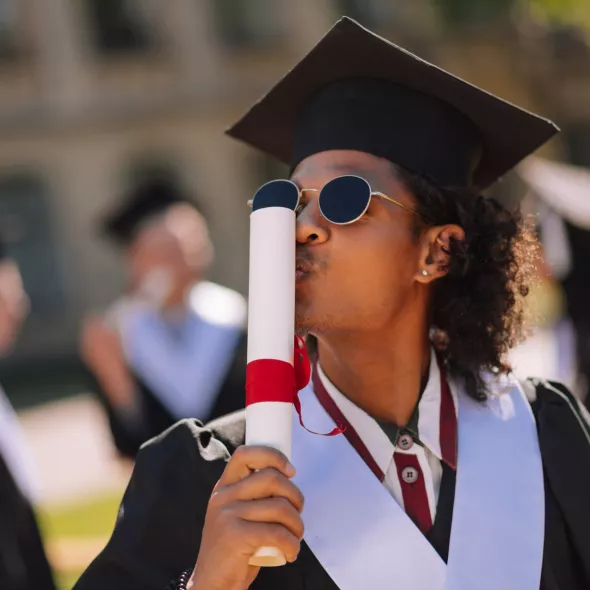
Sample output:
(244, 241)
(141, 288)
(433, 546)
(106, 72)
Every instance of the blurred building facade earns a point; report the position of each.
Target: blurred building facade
(96, 93)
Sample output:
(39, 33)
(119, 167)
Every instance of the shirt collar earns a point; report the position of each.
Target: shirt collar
(426, 419)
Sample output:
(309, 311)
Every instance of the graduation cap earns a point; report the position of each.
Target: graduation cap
(145, 201)
(355, 90)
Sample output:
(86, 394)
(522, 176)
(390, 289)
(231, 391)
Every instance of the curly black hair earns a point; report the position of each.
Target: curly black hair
(478, 310)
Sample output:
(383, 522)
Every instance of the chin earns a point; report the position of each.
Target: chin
(306, 317)
(302, 323)
(308, 320)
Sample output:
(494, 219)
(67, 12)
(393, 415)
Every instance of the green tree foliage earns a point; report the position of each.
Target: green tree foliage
(493, 12)
(465, 12)
(562, 12)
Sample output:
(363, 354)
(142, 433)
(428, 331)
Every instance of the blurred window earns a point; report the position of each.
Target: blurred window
(118, 27)
(9, 29)
(249, 24)
(27, 237)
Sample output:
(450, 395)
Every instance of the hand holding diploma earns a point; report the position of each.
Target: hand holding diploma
(254, 515)
(253, 505)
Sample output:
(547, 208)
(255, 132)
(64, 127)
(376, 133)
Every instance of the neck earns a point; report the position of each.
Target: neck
(379, 371)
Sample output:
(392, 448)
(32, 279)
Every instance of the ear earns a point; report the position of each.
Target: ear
(435, 251)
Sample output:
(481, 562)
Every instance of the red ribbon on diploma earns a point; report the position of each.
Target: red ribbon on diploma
(272, 380)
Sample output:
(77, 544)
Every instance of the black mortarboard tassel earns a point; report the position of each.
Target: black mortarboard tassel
(356, 90)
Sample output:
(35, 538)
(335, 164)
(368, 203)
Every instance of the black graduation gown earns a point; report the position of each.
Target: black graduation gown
(155, 416)
(158, 531)
(23, 564)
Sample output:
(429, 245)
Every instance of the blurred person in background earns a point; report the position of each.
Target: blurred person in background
(23, 563)
(558, 194)
(173, 345)
(549, 350)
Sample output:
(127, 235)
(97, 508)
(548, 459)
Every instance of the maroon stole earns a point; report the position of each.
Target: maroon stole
(413, 492)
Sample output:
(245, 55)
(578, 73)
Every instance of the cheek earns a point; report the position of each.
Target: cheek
(385, 263)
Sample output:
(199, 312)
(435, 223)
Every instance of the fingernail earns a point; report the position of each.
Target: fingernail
(290, 470)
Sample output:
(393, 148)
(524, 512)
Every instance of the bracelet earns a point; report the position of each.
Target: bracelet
(182, 581)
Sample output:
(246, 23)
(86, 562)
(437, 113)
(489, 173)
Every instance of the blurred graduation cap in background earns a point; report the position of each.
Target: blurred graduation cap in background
(141, 204)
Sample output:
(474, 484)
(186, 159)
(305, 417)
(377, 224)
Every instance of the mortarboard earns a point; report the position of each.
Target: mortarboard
(356, 90)
(143, 202)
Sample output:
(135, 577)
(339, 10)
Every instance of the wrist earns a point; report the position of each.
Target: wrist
(184, 581)
(195, 581)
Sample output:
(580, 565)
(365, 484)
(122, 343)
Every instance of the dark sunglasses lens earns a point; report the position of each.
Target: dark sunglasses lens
(344, 199)
(276, 193)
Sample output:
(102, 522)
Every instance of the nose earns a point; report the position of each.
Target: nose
(311, 226)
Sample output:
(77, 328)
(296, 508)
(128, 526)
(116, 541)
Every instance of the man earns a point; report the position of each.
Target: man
(173, 346)
(441, 479)
(23, 563)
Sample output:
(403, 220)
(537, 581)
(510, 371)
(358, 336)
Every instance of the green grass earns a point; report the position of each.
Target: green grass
(66, 580)
(92, 518)
(83, 527)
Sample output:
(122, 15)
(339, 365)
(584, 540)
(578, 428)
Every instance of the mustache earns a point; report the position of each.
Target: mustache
(307, 261)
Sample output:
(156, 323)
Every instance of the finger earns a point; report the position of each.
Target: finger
(267, 483)
(247, 459)
(259, 534)
(271, 510)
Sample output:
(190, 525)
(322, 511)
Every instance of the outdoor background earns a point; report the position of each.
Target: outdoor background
(96, 94)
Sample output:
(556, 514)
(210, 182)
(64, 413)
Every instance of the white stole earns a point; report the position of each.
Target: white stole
(364, 539)
(15, 452)
(185, 373)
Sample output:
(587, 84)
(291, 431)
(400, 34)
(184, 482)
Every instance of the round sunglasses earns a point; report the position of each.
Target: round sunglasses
(343, 200)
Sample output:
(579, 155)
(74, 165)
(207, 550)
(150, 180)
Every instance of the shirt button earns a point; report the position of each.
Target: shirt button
(410, 474)
(405, 442)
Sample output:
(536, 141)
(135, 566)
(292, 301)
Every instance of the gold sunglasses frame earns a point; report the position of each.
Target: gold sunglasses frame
(372, 193)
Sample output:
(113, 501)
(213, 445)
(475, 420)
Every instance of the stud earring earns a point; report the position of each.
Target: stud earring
(425, 272)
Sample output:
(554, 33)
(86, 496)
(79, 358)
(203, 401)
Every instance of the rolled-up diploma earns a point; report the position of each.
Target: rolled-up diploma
(271, 319)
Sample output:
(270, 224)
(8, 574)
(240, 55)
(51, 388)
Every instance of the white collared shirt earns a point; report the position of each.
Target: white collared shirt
(429, 456)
